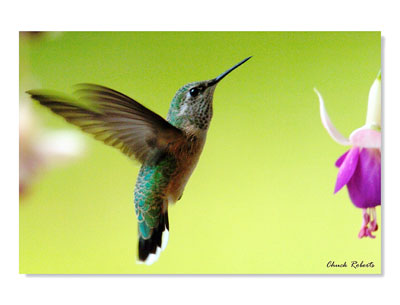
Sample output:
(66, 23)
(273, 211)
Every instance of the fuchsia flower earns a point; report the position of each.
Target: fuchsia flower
(360, 167)
(40, 149)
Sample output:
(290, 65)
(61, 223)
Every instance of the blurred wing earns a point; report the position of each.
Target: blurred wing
(115, 119)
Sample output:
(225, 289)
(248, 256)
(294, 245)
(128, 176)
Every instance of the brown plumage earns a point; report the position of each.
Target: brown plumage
(115, 119)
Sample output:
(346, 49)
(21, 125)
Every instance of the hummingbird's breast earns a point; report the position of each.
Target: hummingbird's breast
(187, 158)
(164, 182)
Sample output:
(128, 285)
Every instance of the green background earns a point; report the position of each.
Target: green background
(261, 198)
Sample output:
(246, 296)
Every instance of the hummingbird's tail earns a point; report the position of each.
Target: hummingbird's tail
(150, 248)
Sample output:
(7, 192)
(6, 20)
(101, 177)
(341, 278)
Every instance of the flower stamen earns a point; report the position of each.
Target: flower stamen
(374, 223)
(365, 231)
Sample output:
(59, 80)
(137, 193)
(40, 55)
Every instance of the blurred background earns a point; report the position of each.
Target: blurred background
(261, 198)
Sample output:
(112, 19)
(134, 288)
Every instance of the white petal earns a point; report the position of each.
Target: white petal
(374, 103)
(333, 132)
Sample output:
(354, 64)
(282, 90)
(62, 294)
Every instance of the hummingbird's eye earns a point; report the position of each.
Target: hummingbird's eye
(194, 92)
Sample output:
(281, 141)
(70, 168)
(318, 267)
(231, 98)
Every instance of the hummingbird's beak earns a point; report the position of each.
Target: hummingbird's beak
(221, 76)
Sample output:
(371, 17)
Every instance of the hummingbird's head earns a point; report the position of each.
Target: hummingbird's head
(192, 104)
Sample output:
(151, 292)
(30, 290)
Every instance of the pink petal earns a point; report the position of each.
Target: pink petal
(364, 137)
(347, 168)
(333, 132)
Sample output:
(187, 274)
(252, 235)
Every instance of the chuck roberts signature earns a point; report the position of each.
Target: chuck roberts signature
(352, 264)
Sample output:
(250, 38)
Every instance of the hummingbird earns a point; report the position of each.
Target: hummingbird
(168, 149)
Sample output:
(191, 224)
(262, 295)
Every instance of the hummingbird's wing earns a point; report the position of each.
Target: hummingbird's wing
(115, 119)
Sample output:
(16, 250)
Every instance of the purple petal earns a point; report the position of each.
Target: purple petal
(365, 184)
(347, 168)
(341, 159)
